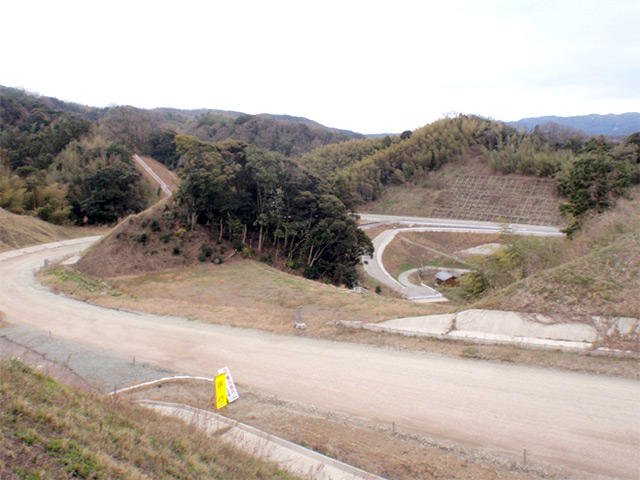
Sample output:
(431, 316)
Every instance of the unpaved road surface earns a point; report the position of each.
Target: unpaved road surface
(585, 422)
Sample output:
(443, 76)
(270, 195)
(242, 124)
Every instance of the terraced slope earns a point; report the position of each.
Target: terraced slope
(515, 199)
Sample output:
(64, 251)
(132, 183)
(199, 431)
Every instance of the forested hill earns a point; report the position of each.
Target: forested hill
(67, 162)
(361, 169)
(287, 135)
(133, 127)
(590, 173)
(623, 124)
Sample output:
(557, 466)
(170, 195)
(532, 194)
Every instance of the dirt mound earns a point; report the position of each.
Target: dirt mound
(150, 241)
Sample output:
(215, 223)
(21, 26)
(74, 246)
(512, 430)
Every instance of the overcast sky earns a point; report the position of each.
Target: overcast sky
(369, 66)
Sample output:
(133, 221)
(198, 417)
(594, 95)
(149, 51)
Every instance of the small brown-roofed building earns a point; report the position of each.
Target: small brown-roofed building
(444, 277)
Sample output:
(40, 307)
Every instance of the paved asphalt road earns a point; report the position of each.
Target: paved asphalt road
(586, 422)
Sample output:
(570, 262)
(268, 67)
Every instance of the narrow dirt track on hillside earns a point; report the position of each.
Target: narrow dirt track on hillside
(581, 421)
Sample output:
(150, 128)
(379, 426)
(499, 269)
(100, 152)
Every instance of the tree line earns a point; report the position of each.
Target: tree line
(67, 162)
(61, 167)
(244, 192)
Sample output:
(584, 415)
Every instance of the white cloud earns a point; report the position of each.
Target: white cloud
(366, 66)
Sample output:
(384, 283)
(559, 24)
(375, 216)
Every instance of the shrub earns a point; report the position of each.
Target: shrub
(142, 238)
(155, 225)
(292, 264)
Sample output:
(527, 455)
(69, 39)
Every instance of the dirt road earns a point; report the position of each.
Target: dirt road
(590, 423)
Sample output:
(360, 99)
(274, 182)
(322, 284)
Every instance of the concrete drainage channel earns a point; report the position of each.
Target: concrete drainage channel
(294, 458)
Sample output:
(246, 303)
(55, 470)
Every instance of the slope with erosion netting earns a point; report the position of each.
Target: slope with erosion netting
(468, 190)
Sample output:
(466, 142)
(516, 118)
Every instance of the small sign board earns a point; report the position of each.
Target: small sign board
(220, 386)
(232, 393)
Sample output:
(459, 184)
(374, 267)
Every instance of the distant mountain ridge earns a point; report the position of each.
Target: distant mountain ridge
(594, 124)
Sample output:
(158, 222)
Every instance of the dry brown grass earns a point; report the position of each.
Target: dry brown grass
(598, 272)
(240, 293)
(419, 198)
(18, 231)
(149, 241)
(467, 189)
(604, 283)
(52, 431)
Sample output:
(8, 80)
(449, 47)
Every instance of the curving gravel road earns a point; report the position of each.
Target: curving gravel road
(584, 422)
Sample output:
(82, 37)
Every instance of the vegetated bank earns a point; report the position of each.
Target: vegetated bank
(597, 273)
(49, 430)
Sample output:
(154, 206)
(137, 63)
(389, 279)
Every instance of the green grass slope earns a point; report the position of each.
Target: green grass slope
(50, 431)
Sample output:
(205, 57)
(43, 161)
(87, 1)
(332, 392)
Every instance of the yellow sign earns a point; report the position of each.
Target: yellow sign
(221, 391)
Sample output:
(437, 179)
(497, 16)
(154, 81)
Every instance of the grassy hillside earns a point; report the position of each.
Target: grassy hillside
(598, 272)
(49, 431)
(17, 231)
(148, 242)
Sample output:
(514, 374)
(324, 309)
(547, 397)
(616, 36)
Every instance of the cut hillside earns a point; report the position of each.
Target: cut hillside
(17, 231)
(166, 175)
(600, 275)
(469, 190)
(48, 430)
